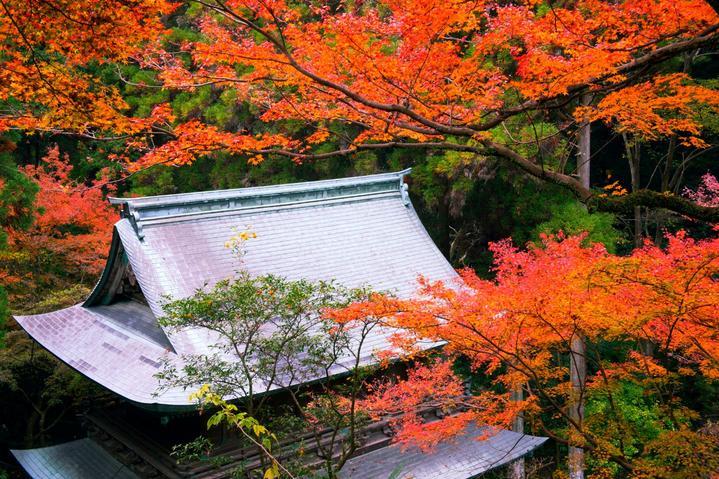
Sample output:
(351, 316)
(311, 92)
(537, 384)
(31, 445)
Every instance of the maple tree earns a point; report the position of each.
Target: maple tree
(46, 83)
(439, 75)
(272, 337)
(56, 233)
(658, 108)
(465, 81)
(70, 230)
(648, 322)
(365, 76)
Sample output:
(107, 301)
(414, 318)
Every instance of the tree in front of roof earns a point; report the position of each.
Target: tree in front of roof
(228, 414)
(271, 336)
(438, 75)
(650, 323)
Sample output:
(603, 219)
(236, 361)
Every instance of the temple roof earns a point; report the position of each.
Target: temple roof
(357, 231)
(80, 459)
(465, 456)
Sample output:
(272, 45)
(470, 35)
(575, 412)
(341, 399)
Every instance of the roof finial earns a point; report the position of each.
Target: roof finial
(404, 189)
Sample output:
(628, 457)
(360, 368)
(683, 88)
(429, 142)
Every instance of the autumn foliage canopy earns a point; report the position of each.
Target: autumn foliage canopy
(417, 74)
(434, 71)
(649, 320)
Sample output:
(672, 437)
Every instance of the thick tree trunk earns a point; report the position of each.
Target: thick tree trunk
(31, 429)
(578, 377)
(584, 149)
(516, 469)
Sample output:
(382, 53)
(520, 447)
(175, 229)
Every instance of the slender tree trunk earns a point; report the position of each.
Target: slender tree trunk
(578, 377)
(577, 356)
(584, 150)
(577, 362)
(516, 469)
(667, 173)
(665, 187)
(443, 216)
(633, 149)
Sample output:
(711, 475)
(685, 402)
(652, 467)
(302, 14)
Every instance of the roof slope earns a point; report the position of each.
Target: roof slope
(358, 231)
(81, 459)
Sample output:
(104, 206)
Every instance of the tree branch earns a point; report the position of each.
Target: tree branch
(653, 199)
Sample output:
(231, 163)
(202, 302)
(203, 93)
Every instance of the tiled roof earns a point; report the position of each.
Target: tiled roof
(358, 231)
(463, 457)
(81, 459)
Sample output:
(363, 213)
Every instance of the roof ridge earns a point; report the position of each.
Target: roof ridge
(143, 209)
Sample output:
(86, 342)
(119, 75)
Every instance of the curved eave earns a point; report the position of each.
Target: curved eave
(114, 357)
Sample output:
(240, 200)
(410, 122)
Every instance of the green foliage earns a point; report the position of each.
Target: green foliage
(198, 449)
(38, 391)
(284, 421)
(295, 340)
(219, 461)
(640, 426)
(155, 181)
(228, 414)
(630, 405)
(223, 112)
(4, 314)
(17, 196)
(59, 299)
(327, 409)
(573, 218)
(534, 139)
(438, 171)
(192, 104)
(274, 336)
(141, 92)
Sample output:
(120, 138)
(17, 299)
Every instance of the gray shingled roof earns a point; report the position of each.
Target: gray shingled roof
(355, 230)
(462, 457)
(81, 459)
